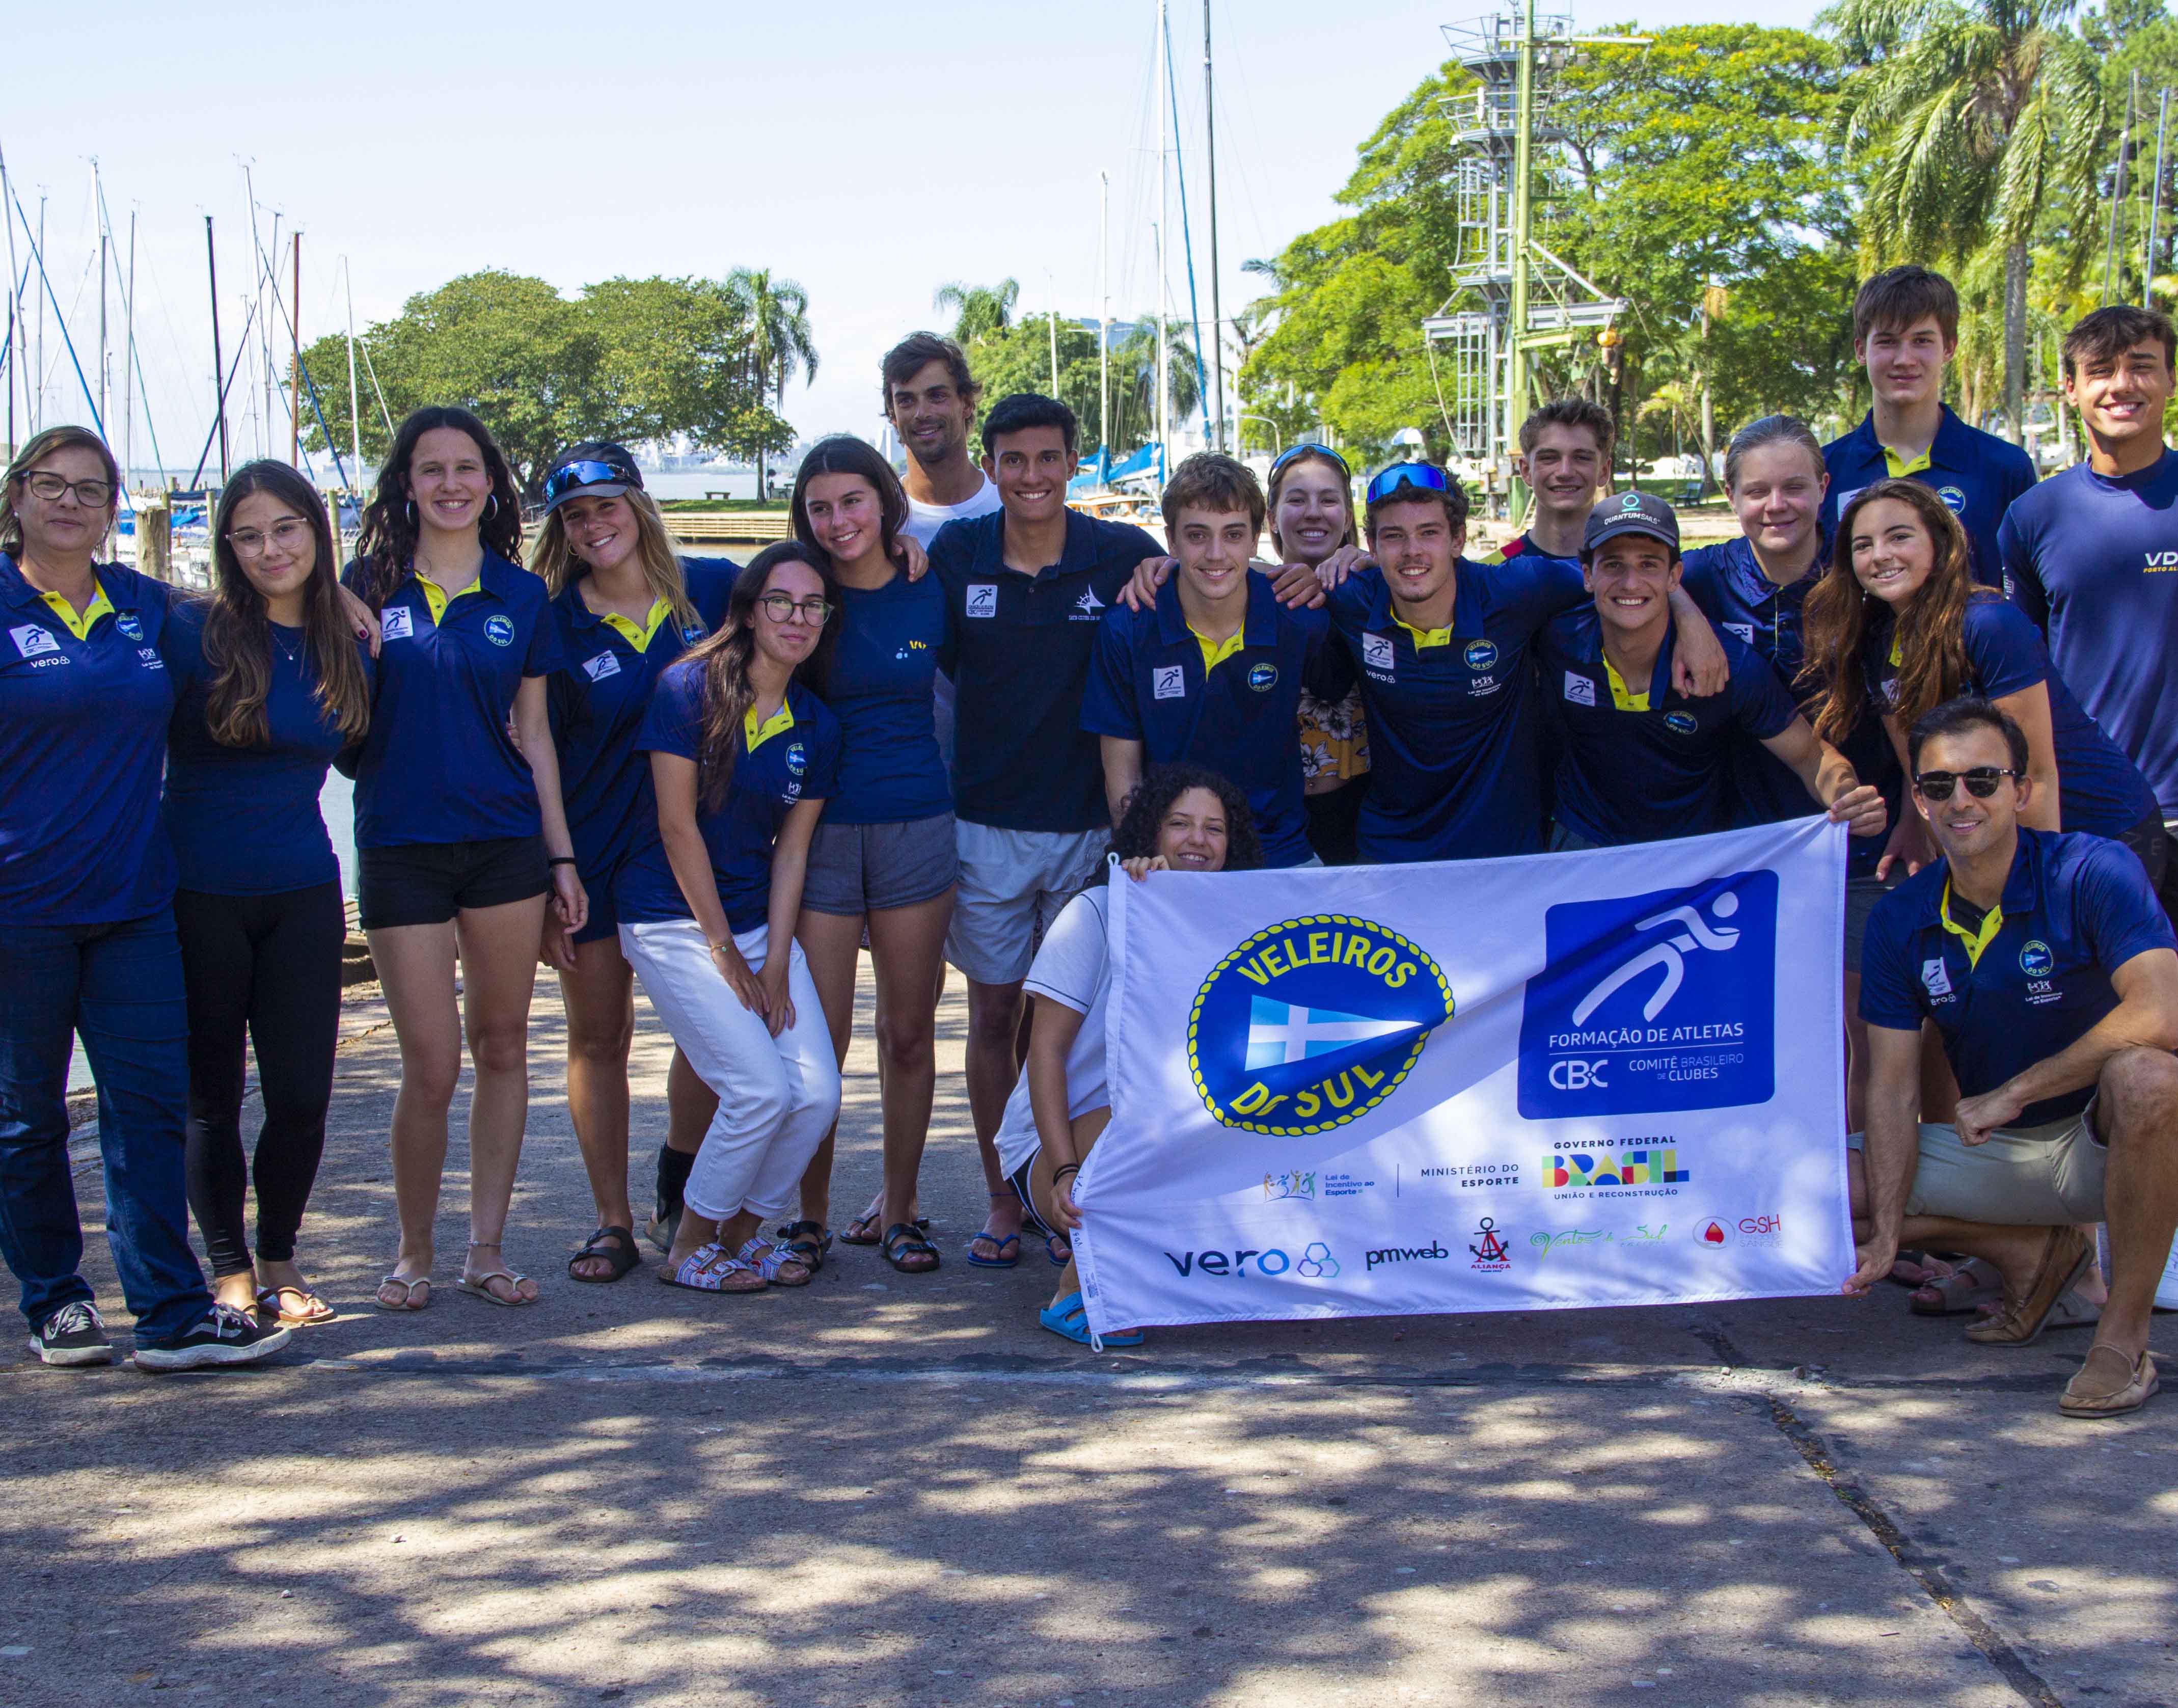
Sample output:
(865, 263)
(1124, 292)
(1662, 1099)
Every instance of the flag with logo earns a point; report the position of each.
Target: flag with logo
(1610, 1078)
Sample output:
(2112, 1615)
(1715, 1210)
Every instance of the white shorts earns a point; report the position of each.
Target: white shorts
(1012, 885)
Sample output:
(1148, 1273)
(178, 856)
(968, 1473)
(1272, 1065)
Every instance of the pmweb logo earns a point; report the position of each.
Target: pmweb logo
(1655, 1002)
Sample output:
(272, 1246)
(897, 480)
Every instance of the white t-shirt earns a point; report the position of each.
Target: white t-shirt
(1073, 968)
(924, 520)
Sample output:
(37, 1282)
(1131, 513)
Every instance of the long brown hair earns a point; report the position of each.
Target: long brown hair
(724, 659)
(1278, 485)
(237, 633)
(555, 558)
(40, 446)
(1930, 631)
(386, 551)
(843, 453)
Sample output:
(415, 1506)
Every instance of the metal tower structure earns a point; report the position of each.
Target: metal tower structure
(1530, 299)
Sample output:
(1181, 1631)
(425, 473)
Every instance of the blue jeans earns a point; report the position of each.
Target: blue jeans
(120, 986)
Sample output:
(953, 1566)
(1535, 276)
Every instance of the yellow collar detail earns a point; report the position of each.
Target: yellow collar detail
(1900, 467)
(1624, 700)
(79, 627)
(639, 638)
(1424, 636)
(758, 734)
(1897, 658)
(1215, 653)
(437, 598)
(1976, 941)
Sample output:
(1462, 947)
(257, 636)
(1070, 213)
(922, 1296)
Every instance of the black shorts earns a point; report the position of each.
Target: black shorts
(429, 883)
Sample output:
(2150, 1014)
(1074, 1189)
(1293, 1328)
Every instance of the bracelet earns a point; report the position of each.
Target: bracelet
(721, 948)
(562, 860)
(1059, 1175)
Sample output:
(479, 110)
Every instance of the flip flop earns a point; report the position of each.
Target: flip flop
(1068, 1319)
(2065, 1255)
(1963, 1293)
(1008, 1246)
(1052, 1243)
(480, 1288)
(617, 1246)
(409, 1285)
(272, 1301)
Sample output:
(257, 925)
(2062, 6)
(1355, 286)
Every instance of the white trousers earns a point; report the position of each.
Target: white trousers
(777, 1095)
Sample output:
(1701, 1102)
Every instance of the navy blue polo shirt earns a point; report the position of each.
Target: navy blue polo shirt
(597, 698)
(1017, 648)
(1977, 473)
(1451, 721)
(83, 742)
(2075, 909)
(2093, 561)
(1642, 773)
(246, 821)
(2098, 788)
(1241, 719)
(440, 764)
(883, 668)
(792, 761)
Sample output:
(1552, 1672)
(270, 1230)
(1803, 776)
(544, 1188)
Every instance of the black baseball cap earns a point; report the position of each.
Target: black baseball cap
(596, 469)
(1630, 513)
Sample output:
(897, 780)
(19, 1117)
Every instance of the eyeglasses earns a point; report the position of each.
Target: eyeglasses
(780, 607)
(570, 475)
(1309, 448)
(250, 542)
(91, 494)
(1427, 476)
(1981, 782)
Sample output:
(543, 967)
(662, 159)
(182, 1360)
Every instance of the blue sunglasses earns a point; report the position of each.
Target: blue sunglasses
(1426, 475)
(568, 476)
(1309, 448)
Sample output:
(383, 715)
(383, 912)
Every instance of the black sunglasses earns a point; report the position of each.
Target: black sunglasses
(1981, 782)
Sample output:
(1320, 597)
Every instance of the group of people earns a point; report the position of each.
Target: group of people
(925, 723)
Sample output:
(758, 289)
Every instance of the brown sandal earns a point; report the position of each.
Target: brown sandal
(2065, 1255)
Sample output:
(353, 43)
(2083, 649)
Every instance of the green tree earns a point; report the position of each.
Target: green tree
(978, 310)
(779, 342)
(1975, 119)
(1018, 359)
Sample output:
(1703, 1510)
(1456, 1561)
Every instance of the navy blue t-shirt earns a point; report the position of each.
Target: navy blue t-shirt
(1452, 723)
(1642, 775)
(83, 742)
(2097, 787)
(1240, 720)
(246, 821)
(597, 699)
(796, 764)
(1017, 648)
(2093, 561)
(885, 665)
(440, 763)
(2076, 908)
(1977, 473)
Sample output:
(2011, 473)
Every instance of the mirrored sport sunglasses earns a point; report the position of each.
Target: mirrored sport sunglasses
(570, 475)
(1308, 448)
(1426, 475)
(1981, 782)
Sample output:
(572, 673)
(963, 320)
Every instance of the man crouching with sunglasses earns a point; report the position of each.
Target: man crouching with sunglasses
(2050, 970)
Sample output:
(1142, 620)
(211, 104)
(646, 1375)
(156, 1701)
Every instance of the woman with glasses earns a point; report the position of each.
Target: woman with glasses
(272, 686)
(626, 605)
(742, 759)
(884, 861)
(1311, 521)
(459, 829)
(89, 950)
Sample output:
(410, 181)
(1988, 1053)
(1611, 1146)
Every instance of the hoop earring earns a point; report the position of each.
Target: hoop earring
(411, 509)
(492, 499)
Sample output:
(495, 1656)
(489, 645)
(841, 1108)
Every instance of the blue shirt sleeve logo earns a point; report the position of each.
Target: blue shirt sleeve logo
(1661, 1001)
(499, 630)
(1481, 654)
(2036, 960)
(1683, 722)
(1263, 677)
(1312, 1023)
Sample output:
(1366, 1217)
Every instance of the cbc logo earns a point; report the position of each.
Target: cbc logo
(1573, 1075)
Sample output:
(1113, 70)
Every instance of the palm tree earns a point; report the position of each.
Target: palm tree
(977, 310)
(780, 343)
(1976, 118)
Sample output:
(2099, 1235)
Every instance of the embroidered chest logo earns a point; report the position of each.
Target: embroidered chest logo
(32, 640)
(396, 622)
(1481, 654)
(1580, 689)
(599, 668)
(1377, 653)
(1936, 977)
(1167, 682)
(128, 625)
(499, 630)
(982, 599)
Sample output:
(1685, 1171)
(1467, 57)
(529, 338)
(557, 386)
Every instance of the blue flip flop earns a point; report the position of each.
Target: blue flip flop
(1068, 1319)
(1008, 1246)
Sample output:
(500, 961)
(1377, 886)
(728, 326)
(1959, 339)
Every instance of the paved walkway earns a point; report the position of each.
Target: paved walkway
(885, 1489)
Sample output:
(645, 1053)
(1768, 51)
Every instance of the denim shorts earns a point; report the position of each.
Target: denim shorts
(855, 869)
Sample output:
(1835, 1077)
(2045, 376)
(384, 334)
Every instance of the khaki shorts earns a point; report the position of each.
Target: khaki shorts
(2048, 1176)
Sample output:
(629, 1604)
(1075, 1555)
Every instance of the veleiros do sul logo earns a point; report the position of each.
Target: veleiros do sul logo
(1311, 1022)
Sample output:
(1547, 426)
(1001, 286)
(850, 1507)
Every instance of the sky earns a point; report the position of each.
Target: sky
(860, 148)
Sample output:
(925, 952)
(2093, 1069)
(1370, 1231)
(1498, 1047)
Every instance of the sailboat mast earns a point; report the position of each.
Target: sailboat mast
(295, 353)
(128, 358)
(1164, 220)
(218, 367)
(98, 202)
(1209, 156)
(1104, 315)
(354, 407)
(14, 305)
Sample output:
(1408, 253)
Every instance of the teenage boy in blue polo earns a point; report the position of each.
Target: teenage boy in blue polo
(1028, 587)
(2091, 554)
(1638, 761)
(1441, 648)
(2051, 973)
(1905, 330)
(1212, 675)
(1564, 456)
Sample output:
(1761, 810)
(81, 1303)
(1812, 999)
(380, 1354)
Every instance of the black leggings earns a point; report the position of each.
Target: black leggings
(266, 969)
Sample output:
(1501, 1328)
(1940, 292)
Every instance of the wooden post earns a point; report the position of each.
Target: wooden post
(154, 538)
